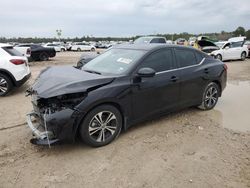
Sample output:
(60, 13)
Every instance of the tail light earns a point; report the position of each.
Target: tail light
(28, 51)
(17, 61)
(225, 67)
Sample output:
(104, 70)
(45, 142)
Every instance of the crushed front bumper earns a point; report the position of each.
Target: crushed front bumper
(41, 135)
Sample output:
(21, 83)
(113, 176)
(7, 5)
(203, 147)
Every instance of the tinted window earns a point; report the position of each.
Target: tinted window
(236, 44)
(161, 40)
(13, 52)
(159, 61)
(155, 40)
(185, 57)
(199, 57)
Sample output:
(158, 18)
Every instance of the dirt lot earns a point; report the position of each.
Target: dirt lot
(191, 148)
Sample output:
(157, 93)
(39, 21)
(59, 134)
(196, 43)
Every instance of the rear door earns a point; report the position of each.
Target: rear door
(191, 75)
(158, 93)
(237, 49)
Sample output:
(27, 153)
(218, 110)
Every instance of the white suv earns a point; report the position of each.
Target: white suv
(81, 46)
(14, 69)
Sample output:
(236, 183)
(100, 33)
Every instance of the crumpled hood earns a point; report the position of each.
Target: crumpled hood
(56, 81)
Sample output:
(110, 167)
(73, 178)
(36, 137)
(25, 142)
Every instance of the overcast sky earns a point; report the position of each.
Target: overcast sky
(30, 18)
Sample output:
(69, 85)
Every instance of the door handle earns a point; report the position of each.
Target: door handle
(206, 70)
(174, 78)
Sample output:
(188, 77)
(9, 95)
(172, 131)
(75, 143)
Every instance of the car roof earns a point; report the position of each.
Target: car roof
(5, 45)
(149, 47)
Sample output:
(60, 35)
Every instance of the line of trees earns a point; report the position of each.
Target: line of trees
(223, 35)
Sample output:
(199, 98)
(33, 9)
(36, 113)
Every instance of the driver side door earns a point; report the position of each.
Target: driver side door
(159, 93)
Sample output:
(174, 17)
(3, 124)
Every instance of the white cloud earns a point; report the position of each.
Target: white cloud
(120, 17)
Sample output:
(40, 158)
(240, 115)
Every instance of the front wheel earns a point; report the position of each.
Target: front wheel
(243, 56)
(210, 96)
(219, 57)
(101, 126)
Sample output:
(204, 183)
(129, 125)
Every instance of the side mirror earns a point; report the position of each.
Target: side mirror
(146, 72)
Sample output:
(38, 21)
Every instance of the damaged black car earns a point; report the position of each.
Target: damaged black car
(121, 87)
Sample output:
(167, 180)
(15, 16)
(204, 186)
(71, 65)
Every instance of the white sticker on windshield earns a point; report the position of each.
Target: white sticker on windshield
(124, 60)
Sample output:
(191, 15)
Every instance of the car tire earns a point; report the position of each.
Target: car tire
(78, 49)
(92, 49)
(243, 56)
(62, 50)
(6, 85)
(43, 57)
(219, 57)
(210, 96)
(101, 126)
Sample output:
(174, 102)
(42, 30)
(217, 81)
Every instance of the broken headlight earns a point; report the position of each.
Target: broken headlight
(59, 103)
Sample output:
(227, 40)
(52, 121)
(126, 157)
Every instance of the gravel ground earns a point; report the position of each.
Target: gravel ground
(190, 148)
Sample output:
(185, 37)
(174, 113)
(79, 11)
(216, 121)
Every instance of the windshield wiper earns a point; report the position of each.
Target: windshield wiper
(91, 71)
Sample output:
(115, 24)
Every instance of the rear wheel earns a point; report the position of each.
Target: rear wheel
(62, 50)
(92, 49)
(219, 57)
(5, 85)
(44, 57)
(243, 56)
(210, 96)
(78, 49)
(101, 126)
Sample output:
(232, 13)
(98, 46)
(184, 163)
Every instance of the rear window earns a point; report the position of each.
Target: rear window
(13, 52)
(186, 57)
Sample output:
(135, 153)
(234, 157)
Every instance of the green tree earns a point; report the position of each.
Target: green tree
(248, 34)
(240, 31)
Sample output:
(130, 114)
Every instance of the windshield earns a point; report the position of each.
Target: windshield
(114, 61)
(220, 44)
(142, 40)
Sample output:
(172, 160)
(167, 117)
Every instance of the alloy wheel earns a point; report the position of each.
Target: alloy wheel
(211, 97)
(102, 126)
(3, 85)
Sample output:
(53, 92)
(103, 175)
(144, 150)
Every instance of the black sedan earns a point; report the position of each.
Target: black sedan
(119, 88)
(39, 53)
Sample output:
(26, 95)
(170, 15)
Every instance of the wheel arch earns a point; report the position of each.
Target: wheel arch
(112, 103)
(219, 84)
(7, 73)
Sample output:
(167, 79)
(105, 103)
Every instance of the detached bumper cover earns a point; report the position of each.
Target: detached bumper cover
(42, 137)
(57, 127)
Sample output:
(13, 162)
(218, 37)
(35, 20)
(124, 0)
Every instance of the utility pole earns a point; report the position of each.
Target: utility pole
(59, 33)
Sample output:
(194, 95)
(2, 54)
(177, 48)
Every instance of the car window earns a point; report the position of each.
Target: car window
(114, 61)
(199, 56)
(185, 57)
(13, 52)
(155, 40)
(161, 60)
(161, 40)
(236, 44)
(227, 45)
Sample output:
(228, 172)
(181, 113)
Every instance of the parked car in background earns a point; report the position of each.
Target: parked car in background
(25, 51)
(121, 87)
(57, 47)
(230, 51)
(180, 41)
(150, 40)
(247, 44)
(192, 40)
(207, 46)
(39, 53)
(14, 69)
(81, 46)
(85, 58)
